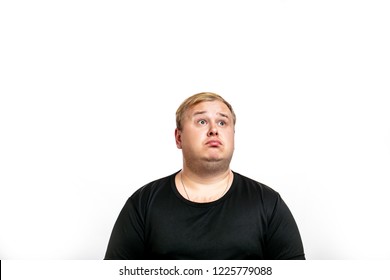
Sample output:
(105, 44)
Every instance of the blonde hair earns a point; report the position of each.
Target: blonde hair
(196, 99)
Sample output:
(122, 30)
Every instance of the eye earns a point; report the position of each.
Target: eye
(202, 122)
(221, 123)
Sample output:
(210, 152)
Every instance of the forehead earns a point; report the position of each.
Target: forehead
(210, 107)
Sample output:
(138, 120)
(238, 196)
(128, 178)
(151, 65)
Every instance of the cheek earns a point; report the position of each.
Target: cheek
(195, 134)
(189, 138)
(231, 139)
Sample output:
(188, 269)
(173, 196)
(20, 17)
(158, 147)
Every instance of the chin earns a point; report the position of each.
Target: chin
(213, 159)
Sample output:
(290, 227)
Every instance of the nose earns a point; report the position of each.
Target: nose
(213, 131)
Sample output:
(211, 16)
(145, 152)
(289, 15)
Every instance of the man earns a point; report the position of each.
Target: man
(205, 210)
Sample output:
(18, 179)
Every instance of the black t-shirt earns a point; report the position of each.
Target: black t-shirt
(251, 221)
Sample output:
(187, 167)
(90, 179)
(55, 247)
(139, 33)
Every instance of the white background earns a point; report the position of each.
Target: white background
(89, 91)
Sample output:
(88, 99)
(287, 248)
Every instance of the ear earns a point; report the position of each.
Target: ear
(178, 138)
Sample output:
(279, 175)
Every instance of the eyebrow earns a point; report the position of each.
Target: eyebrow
(204, 112)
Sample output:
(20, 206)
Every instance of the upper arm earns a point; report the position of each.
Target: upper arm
(283, 238)
(127, 237)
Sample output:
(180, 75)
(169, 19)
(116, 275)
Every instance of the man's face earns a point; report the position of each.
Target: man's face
(207, 135)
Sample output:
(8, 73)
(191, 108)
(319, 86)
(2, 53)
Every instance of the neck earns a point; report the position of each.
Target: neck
(205, 178)
(198, 188)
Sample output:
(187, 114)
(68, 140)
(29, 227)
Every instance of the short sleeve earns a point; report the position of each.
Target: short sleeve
(127, 237)
(283, 240)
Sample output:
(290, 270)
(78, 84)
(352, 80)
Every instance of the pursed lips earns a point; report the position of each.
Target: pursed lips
(214, 143)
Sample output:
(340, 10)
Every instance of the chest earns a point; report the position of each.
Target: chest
(228, 230)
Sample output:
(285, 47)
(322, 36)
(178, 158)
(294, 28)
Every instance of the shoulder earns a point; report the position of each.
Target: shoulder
(151, 189)
(257, 193)
(251, 185)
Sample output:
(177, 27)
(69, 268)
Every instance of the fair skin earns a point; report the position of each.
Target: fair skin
(207, 143)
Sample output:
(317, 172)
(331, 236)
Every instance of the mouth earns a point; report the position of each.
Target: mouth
(213, 143)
